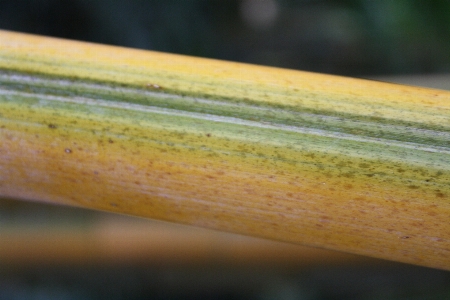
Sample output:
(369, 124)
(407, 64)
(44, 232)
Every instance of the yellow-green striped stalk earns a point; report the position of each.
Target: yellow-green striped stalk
(326, 161)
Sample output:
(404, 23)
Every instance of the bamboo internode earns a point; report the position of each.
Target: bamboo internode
(326, 161)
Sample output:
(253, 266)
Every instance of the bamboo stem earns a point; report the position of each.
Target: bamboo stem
(326, 161)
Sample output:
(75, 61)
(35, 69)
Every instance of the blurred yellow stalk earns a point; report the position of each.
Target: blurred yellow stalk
(338, 163)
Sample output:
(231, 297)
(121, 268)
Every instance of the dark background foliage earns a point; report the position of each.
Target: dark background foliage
(347, 37)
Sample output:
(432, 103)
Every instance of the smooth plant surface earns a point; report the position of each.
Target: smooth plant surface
(326, 161)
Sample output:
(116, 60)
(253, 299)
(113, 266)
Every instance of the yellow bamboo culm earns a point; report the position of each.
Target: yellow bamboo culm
(325, 161)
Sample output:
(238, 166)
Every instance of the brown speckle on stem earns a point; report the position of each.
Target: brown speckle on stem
(153, 86)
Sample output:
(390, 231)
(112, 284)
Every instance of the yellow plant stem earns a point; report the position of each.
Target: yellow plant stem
(325, 161)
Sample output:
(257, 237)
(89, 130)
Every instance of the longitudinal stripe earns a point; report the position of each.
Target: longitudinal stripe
(237, 121)
(316, 122)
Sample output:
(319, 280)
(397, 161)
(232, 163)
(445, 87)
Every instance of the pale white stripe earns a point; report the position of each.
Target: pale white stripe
(322, 118)
(230, 120)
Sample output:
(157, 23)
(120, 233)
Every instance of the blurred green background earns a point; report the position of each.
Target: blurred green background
(360, 38)
(347, 37)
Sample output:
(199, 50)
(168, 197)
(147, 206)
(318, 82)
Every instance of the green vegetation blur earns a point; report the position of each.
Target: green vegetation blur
(345, 37)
